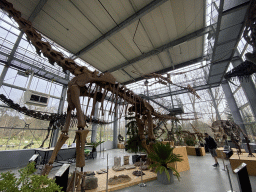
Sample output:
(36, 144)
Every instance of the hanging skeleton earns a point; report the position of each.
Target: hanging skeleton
(167, 80)
(87, 84)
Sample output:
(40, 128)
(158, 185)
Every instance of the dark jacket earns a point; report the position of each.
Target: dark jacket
(210, 143)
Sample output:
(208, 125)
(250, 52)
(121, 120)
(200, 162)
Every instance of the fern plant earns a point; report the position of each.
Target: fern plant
(27, 182)
(162, 156)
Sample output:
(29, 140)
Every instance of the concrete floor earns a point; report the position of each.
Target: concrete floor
(202, 176)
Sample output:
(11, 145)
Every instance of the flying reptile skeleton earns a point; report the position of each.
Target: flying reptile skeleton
(87, 84)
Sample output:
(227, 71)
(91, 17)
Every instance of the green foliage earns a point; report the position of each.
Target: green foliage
(132, 128)
(190, 141)
(28, 182)
(162, 156)
(95, 145)
(133, 144)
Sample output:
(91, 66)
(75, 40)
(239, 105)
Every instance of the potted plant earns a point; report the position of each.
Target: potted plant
(94, 150)
(27, 181)
(133, 145)
(161, 157)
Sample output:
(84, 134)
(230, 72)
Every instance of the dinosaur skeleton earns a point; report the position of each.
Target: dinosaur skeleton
(44, 115)
(87, 84)
(224, 128)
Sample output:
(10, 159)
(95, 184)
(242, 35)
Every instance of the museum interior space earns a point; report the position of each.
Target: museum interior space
(128, 95)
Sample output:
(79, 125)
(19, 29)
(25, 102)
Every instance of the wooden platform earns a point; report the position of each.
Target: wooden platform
(149, 176)
(192, 151)
(220, 150)
(183, 165)
(171, 142)
(236, 160)
(120, 146)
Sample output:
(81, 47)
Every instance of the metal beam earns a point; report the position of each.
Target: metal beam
(167, 94)
(151, 6)
(31, 18)
(221, 14)
(233, 106)
(56, 77)
(149, 98)
(15, 46)
(37, 10)
(24, 89)
(236, 8)
(193, 61)
(162, 48)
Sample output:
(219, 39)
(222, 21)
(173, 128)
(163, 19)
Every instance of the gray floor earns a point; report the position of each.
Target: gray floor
(202, 176)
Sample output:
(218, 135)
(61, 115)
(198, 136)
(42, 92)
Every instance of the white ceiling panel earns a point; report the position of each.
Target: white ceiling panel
(75, 24)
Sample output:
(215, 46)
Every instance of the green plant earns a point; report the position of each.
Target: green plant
(133, 144)
(162, 156)
(27, 182)
(190, 141)
(95, 145)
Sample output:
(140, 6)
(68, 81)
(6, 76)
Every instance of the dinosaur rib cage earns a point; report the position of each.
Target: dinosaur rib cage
(46, 116)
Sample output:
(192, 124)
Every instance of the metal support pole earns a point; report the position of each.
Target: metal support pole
(10, 58)
(107, 176)
(233, 106)
(229, 180)
(60, 111)
(141, 181)
(146, 84)
(94, 125)
(214, 105)
(115, 140)
(31, 18)
(125, 130)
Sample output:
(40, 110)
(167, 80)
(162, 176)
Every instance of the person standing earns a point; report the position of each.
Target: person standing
(212, 145)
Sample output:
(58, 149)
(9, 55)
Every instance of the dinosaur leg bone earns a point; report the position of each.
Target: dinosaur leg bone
(74, 94)
(80, 142)
(68, 118)
(62, 139)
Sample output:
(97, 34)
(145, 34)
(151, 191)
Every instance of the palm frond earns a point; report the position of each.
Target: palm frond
(162, 156)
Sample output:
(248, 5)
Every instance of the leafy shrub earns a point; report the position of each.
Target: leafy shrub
(27, 182)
